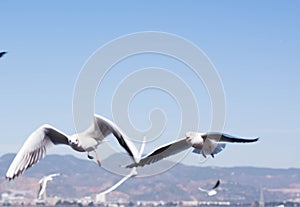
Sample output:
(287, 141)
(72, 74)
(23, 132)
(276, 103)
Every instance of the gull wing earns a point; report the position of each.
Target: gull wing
(203, 190)
(102, 127)
(226, 138)
(54, 175)
(212, 191)
(41, 190)
(43, 183)
(162, 152)
(216, 185)
(131, 174)
(34, 149)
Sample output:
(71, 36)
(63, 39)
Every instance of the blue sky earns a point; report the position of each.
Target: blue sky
(254, 46)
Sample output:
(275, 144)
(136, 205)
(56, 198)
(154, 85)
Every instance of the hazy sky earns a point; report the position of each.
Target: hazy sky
(254, 46)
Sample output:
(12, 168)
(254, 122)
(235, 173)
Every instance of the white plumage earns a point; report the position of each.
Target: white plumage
(43, 184)
(203, 143)
(41, 139)
(212, 191)
(132, 173)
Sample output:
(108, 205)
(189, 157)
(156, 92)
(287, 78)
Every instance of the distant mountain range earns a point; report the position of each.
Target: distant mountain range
(85, 178)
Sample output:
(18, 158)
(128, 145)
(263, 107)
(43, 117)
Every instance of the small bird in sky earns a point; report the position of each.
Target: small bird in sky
(211, 191)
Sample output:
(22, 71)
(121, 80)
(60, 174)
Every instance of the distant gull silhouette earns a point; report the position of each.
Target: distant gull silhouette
(204, 143)
(41, 139)
(212, 191)
(43, 184)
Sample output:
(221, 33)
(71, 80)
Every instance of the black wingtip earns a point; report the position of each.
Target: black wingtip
(9, 178)
(2, 53)
(255, 139)
(217, 184)
(252, 140)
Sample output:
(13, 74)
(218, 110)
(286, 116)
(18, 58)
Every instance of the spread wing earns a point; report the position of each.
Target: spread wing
(212, 191)
(34, 149)
(226, 138)
(203, 190)
(216, 185)
(131, 174)
(41, 191)
(162, 152)
(102, 127)
(54, 175)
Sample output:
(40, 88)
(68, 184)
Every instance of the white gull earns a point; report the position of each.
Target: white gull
(43, 184)
(45, 136)
(211, 191)
(203, 143)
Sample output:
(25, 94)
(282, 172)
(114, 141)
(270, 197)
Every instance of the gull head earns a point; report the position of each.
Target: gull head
(73, 141)
(76, 144)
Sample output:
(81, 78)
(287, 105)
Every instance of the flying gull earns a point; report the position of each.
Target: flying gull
(41, 139)
(203, 143)
(43, 184)
(212, 191)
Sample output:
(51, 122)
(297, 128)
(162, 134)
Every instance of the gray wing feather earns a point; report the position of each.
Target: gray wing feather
(34, 149)
(162, 152)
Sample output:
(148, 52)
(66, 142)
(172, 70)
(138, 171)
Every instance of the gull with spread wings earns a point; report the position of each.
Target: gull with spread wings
(203, 143)
(41, 139)
(211, 191)
(43, 184)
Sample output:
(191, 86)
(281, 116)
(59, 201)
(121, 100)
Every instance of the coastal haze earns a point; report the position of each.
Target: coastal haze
(239, 185)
